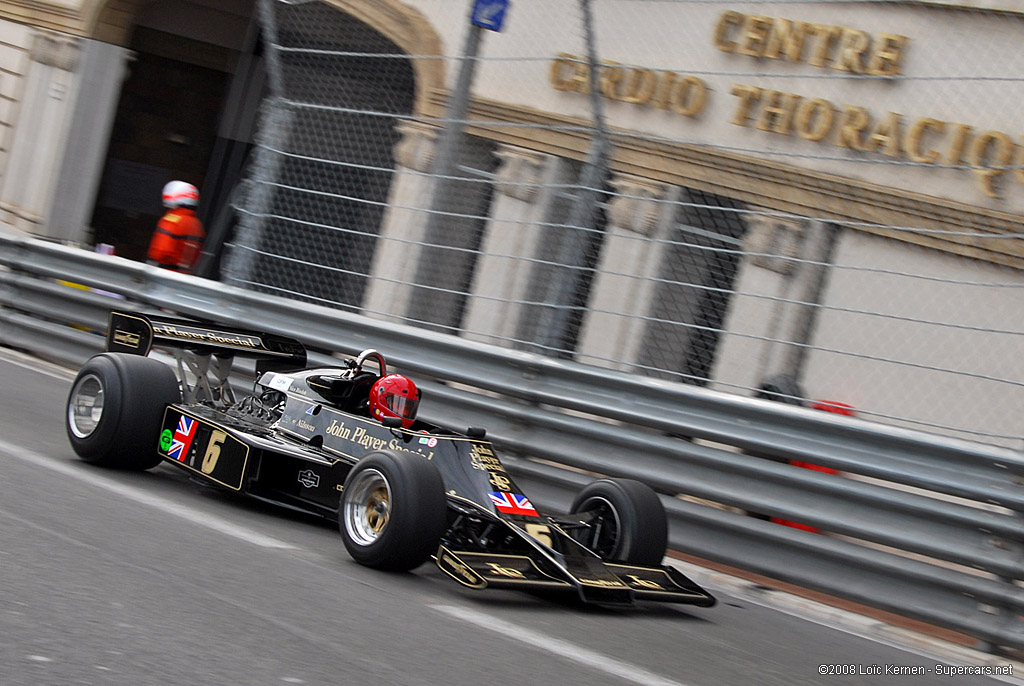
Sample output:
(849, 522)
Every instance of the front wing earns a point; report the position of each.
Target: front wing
(595, 581)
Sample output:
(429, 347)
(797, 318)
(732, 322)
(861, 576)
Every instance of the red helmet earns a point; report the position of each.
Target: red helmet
(394, 395)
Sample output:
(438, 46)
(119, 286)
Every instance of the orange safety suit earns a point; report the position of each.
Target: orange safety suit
(177, 241)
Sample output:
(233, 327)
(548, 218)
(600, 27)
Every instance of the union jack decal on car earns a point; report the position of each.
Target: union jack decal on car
(182, 439)
(513, 503)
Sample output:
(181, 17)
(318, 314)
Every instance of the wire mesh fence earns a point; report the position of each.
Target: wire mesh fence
(801, 200)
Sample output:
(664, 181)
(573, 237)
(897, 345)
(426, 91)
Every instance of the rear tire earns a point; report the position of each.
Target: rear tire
(116, 407)
(628, 522)
(393, 511)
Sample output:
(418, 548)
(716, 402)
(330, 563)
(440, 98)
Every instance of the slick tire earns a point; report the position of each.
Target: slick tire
(116, 407)
(628, 521)
(393, 511)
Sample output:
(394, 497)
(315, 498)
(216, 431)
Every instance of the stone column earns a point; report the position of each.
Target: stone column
(102, 70)
(504, 278)
(640, 219)
(399, 244)
(807, 284)
(773, 270)
(40, 131)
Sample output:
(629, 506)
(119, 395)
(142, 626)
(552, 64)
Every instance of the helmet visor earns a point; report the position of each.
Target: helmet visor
(401, 405)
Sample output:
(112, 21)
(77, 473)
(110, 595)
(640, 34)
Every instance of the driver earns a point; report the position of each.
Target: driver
(395, 395)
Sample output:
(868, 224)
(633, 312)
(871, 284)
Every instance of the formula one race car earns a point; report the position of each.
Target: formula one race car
(344, 443)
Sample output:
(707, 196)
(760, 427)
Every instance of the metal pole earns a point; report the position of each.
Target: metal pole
(554, 319)
(225, 160)
(276, 122)
(455, 122)
(267, 18)
(434, 269)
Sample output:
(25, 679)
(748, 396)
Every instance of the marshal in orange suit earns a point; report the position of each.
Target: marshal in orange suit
(179, 235)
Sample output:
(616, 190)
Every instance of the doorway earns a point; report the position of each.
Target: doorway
(165, 128)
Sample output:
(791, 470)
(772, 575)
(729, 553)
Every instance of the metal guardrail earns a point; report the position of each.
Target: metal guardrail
(924, 526)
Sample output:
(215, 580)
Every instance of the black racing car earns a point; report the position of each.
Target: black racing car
(402, 492)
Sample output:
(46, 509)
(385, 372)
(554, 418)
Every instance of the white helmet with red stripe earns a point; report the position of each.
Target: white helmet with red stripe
(180, 194)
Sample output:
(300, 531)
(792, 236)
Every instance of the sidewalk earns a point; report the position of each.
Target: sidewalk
(944, 645)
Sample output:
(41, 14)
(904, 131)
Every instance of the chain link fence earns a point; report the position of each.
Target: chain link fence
(799, 200)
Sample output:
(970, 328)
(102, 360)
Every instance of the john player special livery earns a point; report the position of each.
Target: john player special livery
(344, 443)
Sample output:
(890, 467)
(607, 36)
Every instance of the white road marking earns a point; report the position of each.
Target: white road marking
(34, 364)
(558, 647)
(163, 505)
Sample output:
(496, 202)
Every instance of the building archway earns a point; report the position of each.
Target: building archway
(184, 109)
(188, 107)
(412, 33)
(342, 79)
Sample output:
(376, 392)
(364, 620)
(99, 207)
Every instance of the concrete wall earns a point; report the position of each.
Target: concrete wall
(15, 59)
(45, 91)
(942, 346)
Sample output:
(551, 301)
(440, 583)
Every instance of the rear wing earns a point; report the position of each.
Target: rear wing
(137, 334)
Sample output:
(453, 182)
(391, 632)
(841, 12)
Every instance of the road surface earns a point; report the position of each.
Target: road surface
(114, 578)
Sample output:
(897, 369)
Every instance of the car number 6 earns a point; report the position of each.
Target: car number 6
(213, 451)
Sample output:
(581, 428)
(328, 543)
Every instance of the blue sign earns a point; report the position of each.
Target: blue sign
(489, 14)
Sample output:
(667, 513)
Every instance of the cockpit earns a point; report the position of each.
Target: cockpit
(349, 389)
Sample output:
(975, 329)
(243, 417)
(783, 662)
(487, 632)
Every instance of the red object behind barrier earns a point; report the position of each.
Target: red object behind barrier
(825, 406)
(834, 407)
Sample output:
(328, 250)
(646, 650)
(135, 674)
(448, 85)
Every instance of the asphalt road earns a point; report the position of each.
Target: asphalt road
(113, 578)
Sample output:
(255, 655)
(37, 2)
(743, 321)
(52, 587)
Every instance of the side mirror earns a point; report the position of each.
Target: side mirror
(476, 432)
(392, 422)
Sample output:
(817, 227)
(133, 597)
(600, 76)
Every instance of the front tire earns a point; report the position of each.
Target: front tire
(627, 521)
(116, 407)
(393, 511)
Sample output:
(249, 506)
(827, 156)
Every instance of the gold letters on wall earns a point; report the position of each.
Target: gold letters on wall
(990, 155)
(833, 47)
(666, 90)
